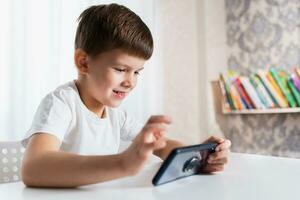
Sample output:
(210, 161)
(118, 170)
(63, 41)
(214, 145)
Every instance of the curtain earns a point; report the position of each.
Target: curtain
(36, 56)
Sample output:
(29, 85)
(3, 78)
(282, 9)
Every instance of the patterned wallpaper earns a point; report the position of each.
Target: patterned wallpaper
(263, 33)
(260, 34)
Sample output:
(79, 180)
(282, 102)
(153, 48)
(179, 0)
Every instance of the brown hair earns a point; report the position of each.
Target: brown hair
(106, 27)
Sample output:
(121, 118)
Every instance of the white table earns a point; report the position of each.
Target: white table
(245, 177)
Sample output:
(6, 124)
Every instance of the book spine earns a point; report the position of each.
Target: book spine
(252, 93)
(227, 89)
(244, 105)
(236, 98)
(224, 94)
(232, 75)
(294, 90)
(297, 71)
(282, 100)
(288, 92)
(243, 93)
(271, 91)
(296, 81)
(265, 93)
(259, 90)
(282, 83)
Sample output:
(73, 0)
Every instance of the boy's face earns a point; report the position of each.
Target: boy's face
(111, 76)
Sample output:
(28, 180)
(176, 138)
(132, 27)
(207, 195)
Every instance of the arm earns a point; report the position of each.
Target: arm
(45, 166)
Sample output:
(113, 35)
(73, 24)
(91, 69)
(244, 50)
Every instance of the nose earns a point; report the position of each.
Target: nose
(129, 81)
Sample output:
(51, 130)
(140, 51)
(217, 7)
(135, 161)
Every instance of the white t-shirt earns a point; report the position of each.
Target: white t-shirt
(63, 114)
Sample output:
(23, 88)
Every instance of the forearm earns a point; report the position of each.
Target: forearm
(170, 145)
(61, 169)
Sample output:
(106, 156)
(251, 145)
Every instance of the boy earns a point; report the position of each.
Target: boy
(76, 131)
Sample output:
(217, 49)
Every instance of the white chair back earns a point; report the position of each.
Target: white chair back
(11, 155)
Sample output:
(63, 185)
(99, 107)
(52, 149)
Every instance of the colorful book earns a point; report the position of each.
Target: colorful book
(283, 101)
(232, 75)
(268, 93)
(259, 93)
(243, 103)
(297, 71)
(295, 81)
(294, 90)
(251, 92)
(281, 80)
(224, 94)
(243, 93)
(227, 89)
(236, 98)
(262, 92)
(271, 90)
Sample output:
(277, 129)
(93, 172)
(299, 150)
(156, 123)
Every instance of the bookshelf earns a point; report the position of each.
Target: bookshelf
(219, 103)
(267, 132)
(263, 111)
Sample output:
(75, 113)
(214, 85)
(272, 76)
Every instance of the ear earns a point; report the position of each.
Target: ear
(80, 58)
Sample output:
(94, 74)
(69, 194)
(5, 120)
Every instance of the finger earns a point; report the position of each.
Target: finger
(221, 161)
(151, 132)
(214, 139)
(159, 134)
(150, 147)
(155, 126)
(159, 119)
(218, 155)
(209, 168)
(224, 145)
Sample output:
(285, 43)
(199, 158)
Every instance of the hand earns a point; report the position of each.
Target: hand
(149, 139)
(219, 158)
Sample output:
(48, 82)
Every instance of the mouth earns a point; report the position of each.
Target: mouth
(119, 94)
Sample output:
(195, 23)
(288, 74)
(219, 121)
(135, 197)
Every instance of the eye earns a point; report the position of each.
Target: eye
(120, 70)
(137, 73)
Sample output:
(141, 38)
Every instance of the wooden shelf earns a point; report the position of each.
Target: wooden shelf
(220, 105)
(262, 111)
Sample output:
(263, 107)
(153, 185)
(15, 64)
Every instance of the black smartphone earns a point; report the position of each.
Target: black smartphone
(183, 162)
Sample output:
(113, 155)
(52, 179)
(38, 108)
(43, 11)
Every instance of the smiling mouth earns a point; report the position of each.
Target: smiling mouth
(117, 91)
(119, 94)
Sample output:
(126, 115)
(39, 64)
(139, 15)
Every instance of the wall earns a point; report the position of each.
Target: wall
(193, 51)
(262, 34)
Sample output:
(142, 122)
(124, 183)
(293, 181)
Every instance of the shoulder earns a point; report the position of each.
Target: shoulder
(65, 94)
(63, 99)
(66, 91)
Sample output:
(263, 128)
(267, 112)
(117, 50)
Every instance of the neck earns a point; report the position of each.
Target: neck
(88, 100)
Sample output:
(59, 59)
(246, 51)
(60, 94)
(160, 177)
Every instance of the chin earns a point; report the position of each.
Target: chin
(113, 104)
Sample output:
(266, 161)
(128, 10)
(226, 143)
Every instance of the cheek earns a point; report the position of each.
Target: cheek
(97, 82)
(108, 80)
(113, 79)
(134, 82)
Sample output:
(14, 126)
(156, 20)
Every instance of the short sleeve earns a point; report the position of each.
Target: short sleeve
(53, 116)
(129, 127)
